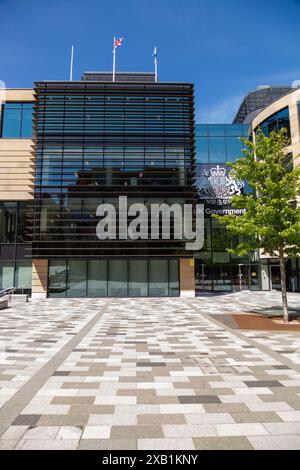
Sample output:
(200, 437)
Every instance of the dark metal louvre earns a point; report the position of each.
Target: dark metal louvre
(119, 76)
(95, 141)
(257, 100)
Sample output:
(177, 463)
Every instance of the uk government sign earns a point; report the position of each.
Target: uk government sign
(216, 186)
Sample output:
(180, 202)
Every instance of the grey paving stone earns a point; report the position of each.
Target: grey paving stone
(222, 443)
(144, 371)
(14, 432)
(63, 420)
(8, 444)
(108, 444)
(183, 443)
(137, 432)
(27, 420)
(189, 430)
(292, 427)
(154, 419)
(44, 444)
(241, 429)
(263, 383)
(282, 442)
(199, 399)
(256, 417)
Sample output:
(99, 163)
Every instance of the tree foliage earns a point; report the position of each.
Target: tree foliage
(272, 218)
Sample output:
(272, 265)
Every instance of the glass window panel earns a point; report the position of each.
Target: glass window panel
(216, 129)
(8, 215)
(247, 131)
(201, 130)
(234, 148)
(57, 279)
(22, 222)
(233, 130)
(6, 274)
(173, 278)
(97, 278)
(158, 278)
(201, 150)
(26, 131)
(217, 152)
(11, 126)
(138, 278)
(76, 278)
(255, 277)
(23, 274)
(272, 126)
(222, 277)
(117, 278)
(276, 122)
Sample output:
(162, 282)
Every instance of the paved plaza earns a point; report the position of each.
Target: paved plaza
(147, 374)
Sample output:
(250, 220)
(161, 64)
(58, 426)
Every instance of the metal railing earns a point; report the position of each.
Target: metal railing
(13, 290)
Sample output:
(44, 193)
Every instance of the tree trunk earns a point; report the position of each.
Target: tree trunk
(283, 286)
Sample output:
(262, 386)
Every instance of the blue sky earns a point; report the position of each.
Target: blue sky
(225, 47)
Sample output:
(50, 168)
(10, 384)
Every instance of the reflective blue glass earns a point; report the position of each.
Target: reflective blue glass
(201, 150)
(217, 151)
(277, 121)
(234, 148)
(233, 130)
(201, 130)
(11, 126)
(17, 120)
(216, 129)
(26, 129)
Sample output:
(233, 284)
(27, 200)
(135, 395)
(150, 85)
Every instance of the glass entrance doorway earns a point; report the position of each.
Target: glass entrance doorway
(240, 276)
(114, 278)
(275, 277)
(226, 277)
(203, 277)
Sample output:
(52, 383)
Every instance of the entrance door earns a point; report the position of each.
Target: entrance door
(275, 277)
(203, 277)
(240, 276)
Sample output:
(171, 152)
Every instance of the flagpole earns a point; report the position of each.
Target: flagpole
(114, 60)
(71, 63)
(155, 63)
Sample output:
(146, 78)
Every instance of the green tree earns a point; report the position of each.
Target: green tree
(271, 221)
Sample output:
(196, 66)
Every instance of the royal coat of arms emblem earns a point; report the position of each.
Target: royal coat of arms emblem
(220, 186)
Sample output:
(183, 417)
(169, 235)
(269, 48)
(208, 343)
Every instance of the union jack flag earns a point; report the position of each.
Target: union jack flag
(118, 42)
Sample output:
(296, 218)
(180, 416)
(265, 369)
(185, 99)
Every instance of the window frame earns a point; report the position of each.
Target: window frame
(21, 104)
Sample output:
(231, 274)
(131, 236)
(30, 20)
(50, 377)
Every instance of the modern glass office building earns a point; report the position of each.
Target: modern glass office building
(258, 100)
(215, 268)
(96, 140)
(16, 188)
(283, 113)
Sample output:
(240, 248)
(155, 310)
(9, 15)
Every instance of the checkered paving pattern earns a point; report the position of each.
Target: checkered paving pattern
(32, 333)
(286, 344)
(149, 374)
(246, 301)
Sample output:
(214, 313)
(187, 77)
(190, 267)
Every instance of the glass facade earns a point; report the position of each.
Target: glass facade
(277, 121)
(96, 141)
(13, 221)
(113, 278)
(15, 274)
(16, 120)
(215, 268)
(15, 270)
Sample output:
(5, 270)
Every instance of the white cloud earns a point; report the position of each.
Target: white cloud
(223, 112)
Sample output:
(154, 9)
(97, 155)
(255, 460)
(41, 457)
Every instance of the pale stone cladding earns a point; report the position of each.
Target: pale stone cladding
(17, 159)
